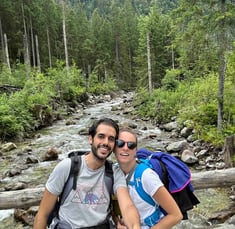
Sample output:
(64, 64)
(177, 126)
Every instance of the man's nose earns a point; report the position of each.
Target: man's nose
(106, 141)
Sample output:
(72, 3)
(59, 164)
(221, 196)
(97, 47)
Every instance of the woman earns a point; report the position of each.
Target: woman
(150, 216)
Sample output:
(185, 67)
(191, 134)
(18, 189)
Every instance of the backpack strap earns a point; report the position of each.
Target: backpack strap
(109, 176)
(128, 178)
(140, 168)
(154, 218)
(71, 182)
(165, 179)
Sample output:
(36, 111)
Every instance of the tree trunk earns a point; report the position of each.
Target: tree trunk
(214, 179)
(49, 48)
(105, 73)
(229, 151)
(172, 57)
(26, 44)
(38, 54)
(149, 63)
(65, 39)
(21, 198)
(130, 64)
(117, 49)
(31, 197)
(32, 43)
(222, 67)
(2, 43)
(6, 52)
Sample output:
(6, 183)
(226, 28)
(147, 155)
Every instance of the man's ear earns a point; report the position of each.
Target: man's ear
(90, 140)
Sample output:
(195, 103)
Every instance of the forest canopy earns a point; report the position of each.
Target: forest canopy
(177, 55)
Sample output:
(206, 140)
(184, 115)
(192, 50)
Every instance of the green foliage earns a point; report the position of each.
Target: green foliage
(160, 105)
(201, 106)
(170, 81)
(210, 134)
(19, 112)
(231, 66)
(97, 86)
(5, 76)
(233, 159)
(206, 115)
(14, 116)
(66, 84)
(110, 36)
(195, 101)
(8, 122)
(16, 76)
(197, 28)
(157, 26)
(39, 84)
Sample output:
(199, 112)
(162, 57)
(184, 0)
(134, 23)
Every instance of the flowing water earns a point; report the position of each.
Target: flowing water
(67, 137)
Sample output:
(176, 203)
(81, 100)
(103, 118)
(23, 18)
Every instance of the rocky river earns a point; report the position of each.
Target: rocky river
(28, 164)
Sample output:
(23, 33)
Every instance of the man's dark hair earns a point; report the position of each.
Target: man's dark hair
(107, 121)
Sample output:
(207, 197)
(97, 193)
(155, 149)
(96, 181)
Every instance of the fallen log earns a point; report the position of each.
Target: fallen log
(24, 198)
(31, 197)
(214, 179)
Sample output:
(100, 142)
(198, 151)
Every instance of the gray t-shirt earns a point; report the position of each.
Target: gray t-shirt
(87, 205)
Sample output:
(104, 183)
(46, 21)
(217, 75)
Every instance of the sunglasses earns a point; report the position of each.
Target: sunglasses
(121, 143)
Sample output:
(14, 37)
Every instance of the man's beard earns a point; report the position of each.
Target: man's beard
(94, 151)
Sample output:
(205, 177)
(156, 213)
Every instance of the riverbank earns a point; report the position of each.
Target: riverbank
(28, 165)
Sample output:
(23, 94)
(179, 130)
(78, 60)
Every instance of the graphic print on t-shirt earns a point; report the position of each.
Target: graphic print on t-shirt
(90, 195)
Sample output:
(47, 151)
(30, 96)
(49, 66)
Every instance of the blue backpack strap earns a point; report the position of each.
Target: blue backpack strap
(142, 165)
(138, 181)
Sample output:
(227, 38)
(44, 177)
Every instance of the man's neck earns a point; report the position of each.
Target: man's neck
(93, 162)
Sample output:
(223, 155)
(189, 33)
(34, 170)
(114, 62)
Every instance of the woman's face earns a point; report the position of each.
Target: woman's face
(125, 149)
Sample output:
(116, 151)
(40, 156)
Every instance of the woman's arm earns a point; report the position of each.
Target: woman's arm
(166, 201)
(128, 210)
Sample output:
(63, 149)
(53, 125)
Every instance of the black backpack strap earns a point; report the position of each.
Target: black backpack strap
(71, 182)
(68, 186)
(76, 164)
(109, 176)
(109, 182)
(165, 179)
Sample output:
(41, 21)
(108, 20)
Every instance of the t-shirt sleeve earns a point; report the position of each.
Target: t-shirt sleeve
(151, 182)
(58, 177)
(119, 178)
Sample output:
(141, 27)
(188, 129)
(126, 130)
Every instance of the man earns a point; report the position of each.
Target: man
(150, 216)
(88, 205)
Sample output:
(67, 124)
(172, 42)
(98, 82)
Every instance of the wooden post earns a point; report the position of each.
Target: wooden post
(229, 151)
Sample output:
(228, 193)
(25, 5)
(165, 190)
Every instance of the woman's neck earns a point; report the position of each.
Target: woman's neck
(126, 168)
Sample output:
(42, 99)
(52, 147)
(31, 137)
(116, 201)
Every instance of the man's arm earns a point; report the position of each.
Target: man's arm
(45, 208)
(129, 212)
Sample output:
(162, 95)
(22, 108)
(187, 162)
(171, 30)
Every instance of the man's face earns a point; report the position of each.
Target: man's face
(103, 143)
